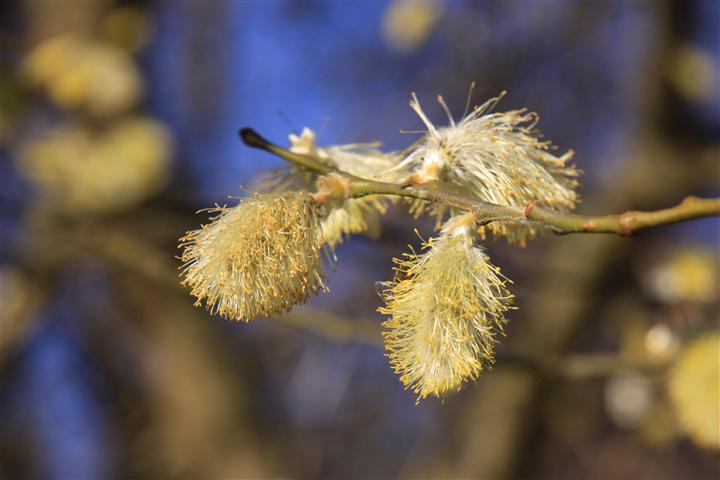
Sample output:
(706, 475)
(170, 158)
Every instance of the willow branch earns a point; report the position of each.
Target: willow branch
(624, 224)
(629, 222)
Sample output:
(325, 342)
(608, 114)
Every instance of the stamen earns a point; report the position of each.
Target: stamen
(415, 105)
(469, 99)
(490, 105)
(441, 101)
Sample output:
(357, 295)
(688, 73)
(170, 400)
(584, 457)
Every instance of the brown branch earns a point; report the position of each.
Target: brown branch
(624, 224)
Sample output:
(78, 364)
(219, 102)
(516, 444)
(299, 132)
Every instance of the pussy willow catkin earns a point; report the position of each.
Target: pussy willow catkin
(353, 215)
(258, 258)
(446, 305)
(495, 157)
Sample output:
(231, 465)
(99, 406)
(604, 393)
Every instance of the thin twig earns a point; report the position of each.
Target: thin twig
(624, 224)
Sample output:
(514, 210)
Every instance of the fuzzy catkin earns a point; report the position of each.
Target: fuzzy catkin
(446, 306)
(497, 158)
(258, 258)
(365, 160)
(353, 215)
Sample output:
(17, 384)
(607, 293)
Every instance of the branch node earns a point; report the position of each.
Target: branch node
(689, 200)
(528, 208)
(625, 223)
(413, 180)
(320, 197)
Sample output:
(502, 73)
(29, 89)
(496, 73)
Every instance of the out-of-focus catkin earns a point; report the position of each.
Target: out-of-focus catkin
(79, 171)
(694, 387)
(446, 306)
(258, 258)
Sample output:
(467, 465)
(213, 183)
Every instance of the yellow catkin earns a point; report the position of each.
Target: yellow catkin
(497, 158)
(79, 171)
(354, 215)
(258, 258)
(446, 306)
(694, 388)
(78, 73)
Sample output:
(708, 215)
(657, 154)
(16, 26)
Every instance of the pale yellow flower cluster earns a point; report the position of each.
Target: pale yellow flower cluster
(493, 157)
(78, 171)
(79, 73)
(406, 24)
(694, 388)
(685, 275)
(497, 158)
(106, 159)
(354, 215)
(446, 306)
(258, 258)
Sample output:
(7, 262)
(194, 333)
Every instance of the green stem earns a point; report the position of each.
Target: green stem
(630, 222)
(625, 224)
(253, 139)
